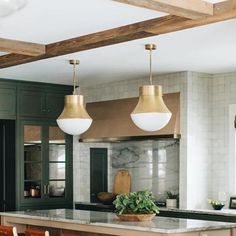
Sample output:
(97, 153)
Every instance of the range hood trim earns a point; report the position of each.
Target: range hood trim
(133, 138)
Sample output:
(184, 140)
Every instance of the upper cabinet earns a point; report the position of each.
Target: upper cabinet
(31, 100)
(37, 103)
(41, 102)
(7, 102)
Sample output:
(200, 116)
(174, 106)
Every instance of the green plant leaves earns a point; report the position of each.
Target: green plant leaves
(135, 202)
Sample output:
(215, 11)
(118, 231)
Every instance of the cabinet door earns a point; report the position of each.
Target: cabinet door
(31, 103)
(7, 103)
(225, 232)
(54, 104)
(233, 232)
(45, 166)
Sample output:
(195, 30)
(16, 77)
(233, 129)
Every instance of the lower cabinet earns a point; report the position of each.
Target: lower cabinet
(225, 232)
(233, 232)
(45, 166)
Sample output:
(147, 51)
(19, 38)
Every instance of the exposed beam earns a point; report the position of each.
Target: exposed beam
(222, 11)
(21, 47)
(192, 9)
(95, 40)
(139, 30)
(224, 7)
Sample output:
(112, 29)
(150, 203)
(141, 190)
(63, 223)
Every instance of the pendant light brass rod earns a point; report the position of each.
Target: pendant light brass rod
(74, 78)
(150, 66)
(74, 63)
(150, 47)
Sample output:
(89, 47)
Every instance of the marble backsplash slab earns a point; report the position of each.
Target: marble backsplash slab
(152, 164)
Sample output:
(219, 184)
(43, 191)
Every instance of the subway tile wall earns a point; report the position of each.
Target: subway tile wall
(205, 170)
(223, 89)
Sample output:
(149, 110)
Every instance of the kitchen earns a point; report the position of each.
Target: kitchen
(206, 153)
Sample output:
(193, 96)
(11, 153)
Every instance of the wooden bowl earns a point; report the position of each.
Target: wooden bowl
(136, 217)
(106, 197)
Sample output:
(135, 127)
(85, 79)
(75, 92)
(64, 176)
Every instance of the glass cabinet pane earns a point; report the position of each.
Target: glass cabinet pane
(32, 152)
(32, 161)
(32, 134)
(57, 152)
(56, 135)
(56, 188)
(57, 171)
(33, 171)
(57, 162)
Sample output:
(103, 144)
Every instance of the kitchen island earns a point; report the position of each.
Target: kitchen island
(103, 223)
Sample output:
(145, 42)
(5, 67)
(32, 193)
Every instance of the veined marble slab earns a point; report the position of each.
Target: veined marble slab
(104, 219)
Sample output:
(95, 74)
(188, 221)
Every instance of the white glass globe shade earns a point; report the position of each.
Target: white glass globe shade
(151, 121)
(7, 7)
(74, 126)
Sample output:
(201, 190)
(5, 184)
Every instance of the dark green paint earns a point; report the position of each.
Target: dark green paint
(35, 103)
(98, 172)
(7, 102)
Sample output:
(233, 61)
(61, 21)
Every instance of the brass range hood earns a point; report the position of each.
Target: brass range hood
(112, 122)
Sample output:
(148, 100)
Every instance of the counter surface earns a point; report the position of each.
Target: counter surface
(223, 212)
(104, 219)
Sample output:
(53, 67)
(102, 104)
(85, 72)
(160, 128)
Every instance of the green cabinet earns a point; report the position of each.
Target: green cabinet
(38, 103)
(43, 154)
(45, 166)
(7, 102)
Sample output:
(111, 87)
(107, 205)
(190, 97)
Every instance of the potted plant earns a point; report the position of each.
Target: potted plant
(216, 204)
(171, 201)
(136, 206)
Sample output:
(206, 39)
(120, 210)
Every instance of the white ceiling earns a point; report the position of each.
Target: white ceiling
(208, 49)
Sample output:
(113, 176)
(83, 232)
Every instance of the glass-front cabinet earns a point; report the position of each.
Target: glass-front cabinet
(46, 166)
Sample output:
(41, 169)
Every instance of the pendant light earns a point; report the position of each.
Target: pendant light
(74, 119)
(7, 7)
(151, 113)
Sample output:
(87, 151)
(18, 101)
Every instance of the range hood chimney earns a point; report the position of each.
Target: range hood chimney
(112, 122)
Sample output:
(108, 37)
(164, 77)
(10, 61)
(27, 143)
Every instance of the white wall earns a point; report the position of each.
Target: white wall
(222, 161)
(198, 133)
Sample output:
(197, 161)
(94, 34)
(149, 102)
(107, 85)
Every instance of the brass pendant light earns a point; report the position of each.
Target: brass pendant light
(74, 118)
(151, 113)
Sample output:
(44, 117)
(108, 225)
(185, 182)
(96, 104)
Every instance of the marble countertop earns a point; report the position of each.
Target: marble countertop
(93, 218)
(223, 212)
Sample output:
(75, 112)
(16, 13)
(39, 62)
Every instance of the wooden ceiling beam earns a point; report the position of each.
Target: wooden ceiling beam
(90, 41)
(192, 9)
(161, 25)
(224, 7)
(222, 11)
(21, 47)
